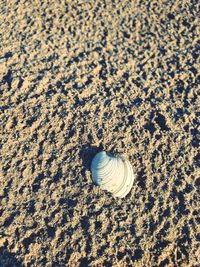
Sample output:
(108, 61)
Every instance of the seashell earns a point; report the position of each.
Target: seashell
(112, 173)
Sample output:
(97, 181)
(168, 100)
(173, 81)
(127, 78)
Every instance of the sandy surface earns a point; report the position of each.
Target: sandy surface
(80, 76)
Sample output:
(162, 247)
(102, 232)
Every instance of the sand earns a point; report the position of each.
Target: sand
(77, 77)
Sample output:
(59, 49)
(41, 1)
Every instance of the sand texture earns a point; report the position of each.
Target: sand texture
(80, 76)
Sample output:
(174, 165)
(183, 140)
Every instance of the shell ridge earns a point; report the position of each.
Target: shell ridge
(107, 174)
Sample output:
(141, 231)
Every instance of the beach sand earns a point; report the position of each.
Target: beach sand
(78, 77)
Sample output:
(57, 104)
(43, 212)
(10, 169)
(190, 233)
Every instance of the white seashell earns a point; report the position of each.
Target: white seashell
(112, 173)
